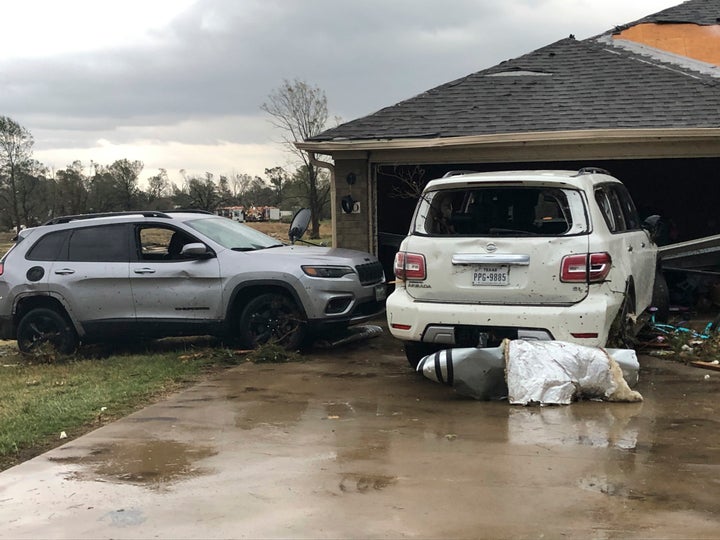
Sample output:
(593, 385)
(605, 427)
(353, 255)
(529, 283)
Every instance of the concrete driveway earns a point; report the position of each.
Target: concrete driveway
(352, 444)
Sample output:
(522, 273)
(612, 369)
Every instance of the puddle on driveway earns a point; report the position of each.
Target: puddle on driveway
(151, 464)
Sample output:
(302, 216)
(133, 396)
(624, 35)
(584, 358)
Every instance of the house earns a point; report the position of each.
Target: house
(641, 100)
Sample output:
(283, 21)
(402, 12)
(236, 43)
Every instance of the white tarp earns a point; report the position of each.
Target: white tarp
(543, 372)
(556, 372)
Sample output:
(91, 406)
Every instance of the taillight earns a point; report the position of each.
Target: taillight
(585, 267)
(2, 267)
(409, 265)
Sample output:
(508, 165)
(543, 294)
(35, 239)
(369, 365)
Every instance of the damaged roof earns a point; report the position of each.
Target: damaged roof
(568, 85)
(702, 12)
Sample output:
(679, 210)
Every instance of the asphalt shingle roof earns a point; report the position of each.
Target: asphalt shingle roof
(702, 12)
(567, 85)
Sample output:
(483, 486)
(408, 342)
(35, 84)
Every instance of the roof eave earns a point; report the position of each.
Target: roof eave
(541, 138)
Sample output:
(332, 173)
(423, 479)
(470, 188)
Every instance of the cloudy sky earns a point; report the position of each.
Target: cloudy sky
(178, 84)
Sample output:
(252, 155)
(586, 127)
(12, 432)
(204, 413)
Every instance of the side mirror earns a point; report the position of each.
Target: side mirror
(299, 224)
(196, 250)
(654, 226)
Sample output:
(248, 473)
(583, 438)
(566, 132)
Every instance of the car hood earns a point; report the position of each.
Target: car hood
(314, 254)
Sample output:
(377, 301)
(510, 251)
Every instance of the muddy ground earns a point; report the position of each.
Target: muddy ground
(352, 444)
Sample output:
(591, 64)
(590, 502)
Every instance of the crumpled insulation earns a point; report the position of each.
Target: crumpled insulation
(556, 372)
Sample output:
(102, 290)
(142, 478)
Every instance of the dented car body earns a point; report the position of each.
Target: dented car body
(552, 255)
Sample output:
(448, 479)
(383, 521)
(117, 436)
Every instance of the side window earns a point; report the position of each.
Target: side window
(49, 247)
(627, 206)
(616, 210)
(107, 243)
(604, 204)
(161, 243)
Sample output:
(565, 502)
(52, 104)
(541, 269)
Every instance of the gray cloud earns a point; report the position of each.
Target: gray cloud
(221, 58)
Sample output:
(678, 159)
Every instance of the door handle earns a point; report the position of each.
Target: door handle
(144, 271)
(65, 271)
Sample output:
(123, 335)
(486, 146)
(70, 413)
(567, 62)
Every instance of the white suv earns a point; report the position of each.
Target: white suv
(524, 254)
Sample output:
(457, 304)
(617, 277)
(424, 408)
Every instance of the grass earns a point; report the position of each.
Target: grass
(5, 242)
(44, 396)
(279, 230)
(78, 394)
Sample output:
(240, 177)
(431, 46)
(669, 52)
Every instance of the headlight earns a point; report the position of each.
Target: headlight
(327, 271)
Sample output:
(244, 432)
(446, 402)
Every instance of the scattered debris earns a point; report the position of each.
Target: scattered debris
(351, 335)
(714, 365)
(272, 353)
(544, 372)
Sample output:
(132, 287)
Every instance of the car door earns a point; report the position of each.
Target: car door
(171, 288)
(91, 277)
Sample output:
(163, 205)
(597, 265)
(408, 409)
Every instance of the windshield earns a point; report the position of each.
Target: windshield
(502, 211)
(233, 235)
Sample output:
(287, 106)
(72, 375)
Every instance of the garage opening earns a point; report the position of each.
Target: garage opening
(683, 191)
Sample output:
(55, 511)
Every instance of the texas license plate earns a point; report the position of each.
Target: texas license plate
(491, 275)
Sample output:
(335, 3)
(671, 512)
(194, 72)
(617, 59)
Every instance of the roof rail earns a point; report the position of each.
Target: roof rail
(457, 173)
(76, 217)
(188, 211)
(592, 170)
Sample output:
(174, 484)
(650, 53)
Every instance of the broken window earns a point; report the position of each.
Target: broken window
(501, 211)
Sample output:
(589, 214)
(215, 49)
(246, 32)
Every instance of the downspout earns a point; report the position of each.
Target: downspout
(331, 168)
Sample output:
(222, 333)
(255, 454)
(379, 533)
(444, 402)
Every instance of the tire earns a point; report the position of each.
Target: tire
(44, 326)
(416, 350)
(661, 298)
(271, 318)
(622, 331)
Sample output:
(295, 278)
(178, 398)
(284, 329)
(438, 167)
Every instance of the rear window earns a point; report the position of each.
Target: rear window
(48, 247)
(501, 211)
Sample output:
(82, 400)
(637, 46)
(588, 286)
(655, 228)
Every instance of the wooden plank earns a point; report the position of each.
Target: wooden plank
(705, 365)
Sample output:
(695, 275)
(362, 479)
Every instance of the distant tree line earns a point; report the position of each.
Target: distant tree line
(31, 193)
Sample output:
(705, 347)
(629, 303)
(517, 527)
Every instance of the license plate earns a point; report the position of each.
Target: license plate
(380, 292)
(490, 275)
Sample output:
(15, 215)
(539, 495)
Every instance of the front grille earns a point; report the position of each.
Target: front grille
(370, 272)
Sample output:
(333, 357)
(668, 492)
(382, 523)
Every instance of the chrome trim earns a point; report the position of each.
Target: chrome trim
(491, 258)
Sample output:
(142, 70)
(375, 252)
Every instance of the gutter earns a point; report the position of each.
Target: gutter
(539, 138)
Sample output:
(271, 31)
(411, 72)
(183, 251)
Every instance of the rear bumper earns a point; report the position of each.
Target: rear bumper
(586, 323)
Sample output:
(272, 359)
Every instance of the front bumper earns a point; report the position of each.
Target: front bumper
(586, 323)
(7, 328)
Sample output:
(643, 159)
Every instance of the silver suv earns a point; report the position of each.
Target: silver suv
(523, 254)
(96, 277)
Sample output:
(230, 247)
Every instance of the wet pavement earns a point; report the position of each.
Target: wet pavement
(352, 444)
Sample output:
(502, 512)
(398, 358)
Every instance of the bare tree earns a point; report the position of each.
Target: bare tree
(239, 184)
(412, 181)
(278, 180)
(300, 110)
(15, 152)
